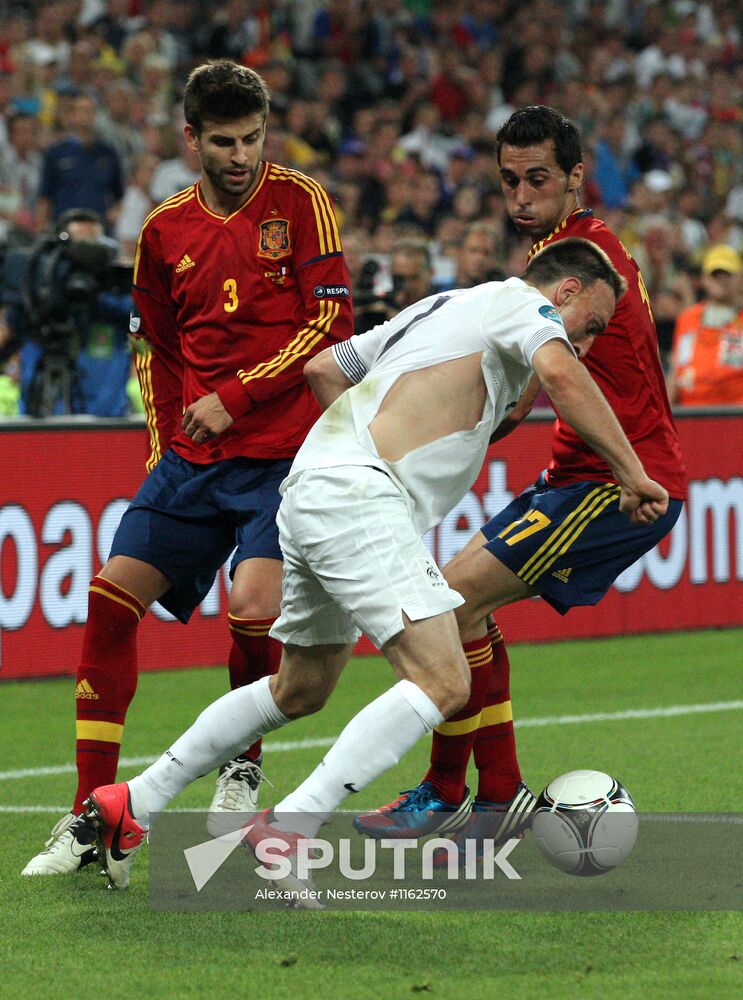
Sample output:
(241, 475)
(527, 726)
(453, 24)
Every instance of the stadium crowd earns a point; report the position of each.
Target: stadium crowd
(393, 107)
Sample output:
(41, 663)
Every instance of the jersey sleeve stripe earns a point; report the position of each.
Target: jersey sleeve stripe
(321, 217)
(540, 337)
(173, 202)
(347, 358)
(264, 369)
(142, 365)
(330, 240)
(305, 340)
(316, 332)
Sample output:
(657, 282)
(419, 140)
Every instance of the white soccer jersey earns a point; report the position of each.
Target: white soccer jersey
(505, 321)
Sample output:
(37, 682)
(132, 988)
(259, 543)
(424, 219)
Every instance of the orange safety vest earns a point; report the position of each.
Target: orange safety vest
(708, 361)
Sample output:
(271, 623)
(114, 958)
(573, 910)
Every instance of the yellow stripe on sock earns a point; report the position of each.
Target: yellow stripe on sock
(104, 732)
(252, 632)
(494, 715)
(459, 728)
(119, 600)
(478, 657)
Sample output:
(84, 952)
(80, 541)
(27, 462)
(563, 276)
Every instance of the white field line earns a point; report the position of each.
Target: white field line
(725, 818)
(326, 741)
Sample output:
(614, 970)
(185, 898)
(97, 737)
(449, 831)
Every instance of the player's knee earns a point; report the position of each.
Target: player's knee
(452, 690)
(295, 701)
(468, 615)
(255, 605)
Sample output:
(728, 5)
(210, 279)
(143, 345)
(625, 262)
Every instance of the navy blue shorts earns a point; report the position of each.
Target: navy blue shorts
(186, 519)
(570, 543)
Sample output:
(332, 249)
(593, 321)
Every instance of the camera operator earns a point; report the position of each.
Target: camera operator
(67, 307)
(410, 272)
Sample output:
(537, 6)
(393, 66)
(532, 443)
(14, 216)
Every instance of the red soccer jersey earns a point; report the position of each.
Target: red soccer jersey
(624, 362)
(237, 305)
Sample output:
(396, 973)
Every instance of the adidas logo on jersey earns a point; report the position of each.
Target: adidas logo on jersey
(185, 263)
(563, 575)
(84, 690)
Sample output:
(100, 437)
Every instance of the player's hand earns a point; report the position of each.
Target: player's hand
(643, 502)
(205, 419)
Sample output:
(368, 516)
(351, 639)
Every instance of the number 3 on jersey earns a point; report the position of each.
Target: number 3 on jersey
(536, 521)
(230, 286)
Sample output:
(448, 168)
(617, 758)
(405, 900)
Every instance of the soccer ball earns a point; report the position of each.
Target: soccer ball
(585, 823)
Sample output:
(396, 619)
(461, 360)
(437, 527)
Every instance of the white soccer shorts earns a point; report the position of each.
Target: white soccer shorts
(353, 561)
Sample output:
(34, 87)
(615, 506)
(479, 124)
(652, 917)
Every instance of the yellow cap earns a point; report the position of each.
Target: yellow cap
(722, 258)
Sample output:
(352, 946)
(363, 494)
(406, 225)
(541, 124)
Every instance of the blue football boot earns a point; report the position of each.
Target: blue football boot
(417, 812)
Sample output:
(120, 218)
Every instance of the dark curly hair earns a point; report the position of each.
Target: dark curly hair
(222, 91)
(531, 126)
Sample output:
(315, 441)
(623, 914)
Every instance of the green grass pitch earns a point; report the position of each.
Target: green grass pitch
(69, 936)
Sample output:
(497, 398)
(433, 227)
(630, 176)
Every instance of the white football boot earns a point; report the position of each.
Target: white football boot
(236, 795)
(70, 847)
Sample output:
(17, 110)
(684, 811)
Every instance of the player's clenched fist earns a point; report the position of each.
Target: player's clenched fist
(206, 418)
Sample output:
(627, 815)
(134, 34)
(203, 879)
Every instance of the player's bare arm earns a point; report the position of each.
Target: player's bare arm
(581, 403)
(325, 378)
(206, 418)
(429, 404)
(520, 412)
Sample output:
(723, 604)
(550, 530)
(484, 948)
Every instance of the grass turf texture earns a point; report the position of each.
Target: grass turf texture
(61, 934)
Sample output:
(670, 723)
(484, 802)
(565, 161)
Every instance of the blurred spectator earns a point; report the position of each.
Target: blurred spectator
(136, 205)
(734, 203)
(425, 140)
(120, 120)
(172, 176)
(48, 41)
(707, 360)
(614, 168)
(687, 212)
(410, 273)
(231, 33)
(478, 258)
(156, 87)
(20, 170)
(455, 86)
(424, 206)
(80, 171)
(661, 260)
(662, 56)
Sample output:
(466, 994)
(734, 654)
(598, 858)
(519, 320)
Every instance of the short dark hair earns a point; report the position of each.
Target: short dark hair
(78, 215)
(417, 248)
(532, 125)
(18, 116)
(222, 91)
(574, 258)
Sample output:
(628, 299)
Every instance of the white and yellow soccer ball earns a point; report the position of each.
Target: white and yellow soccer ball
(585, 823)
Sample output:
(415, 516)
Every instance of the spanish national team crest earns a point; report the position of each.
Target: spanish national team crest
(274, 240)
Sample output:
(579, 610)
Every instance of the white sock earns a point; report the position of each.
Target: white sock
(222, 731)
(372, 742)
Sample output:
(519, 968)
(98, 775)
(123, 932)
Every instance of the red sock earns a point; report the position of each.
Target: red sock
(106, 682)
(453, 739)
(495, 744)
(253, 655)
